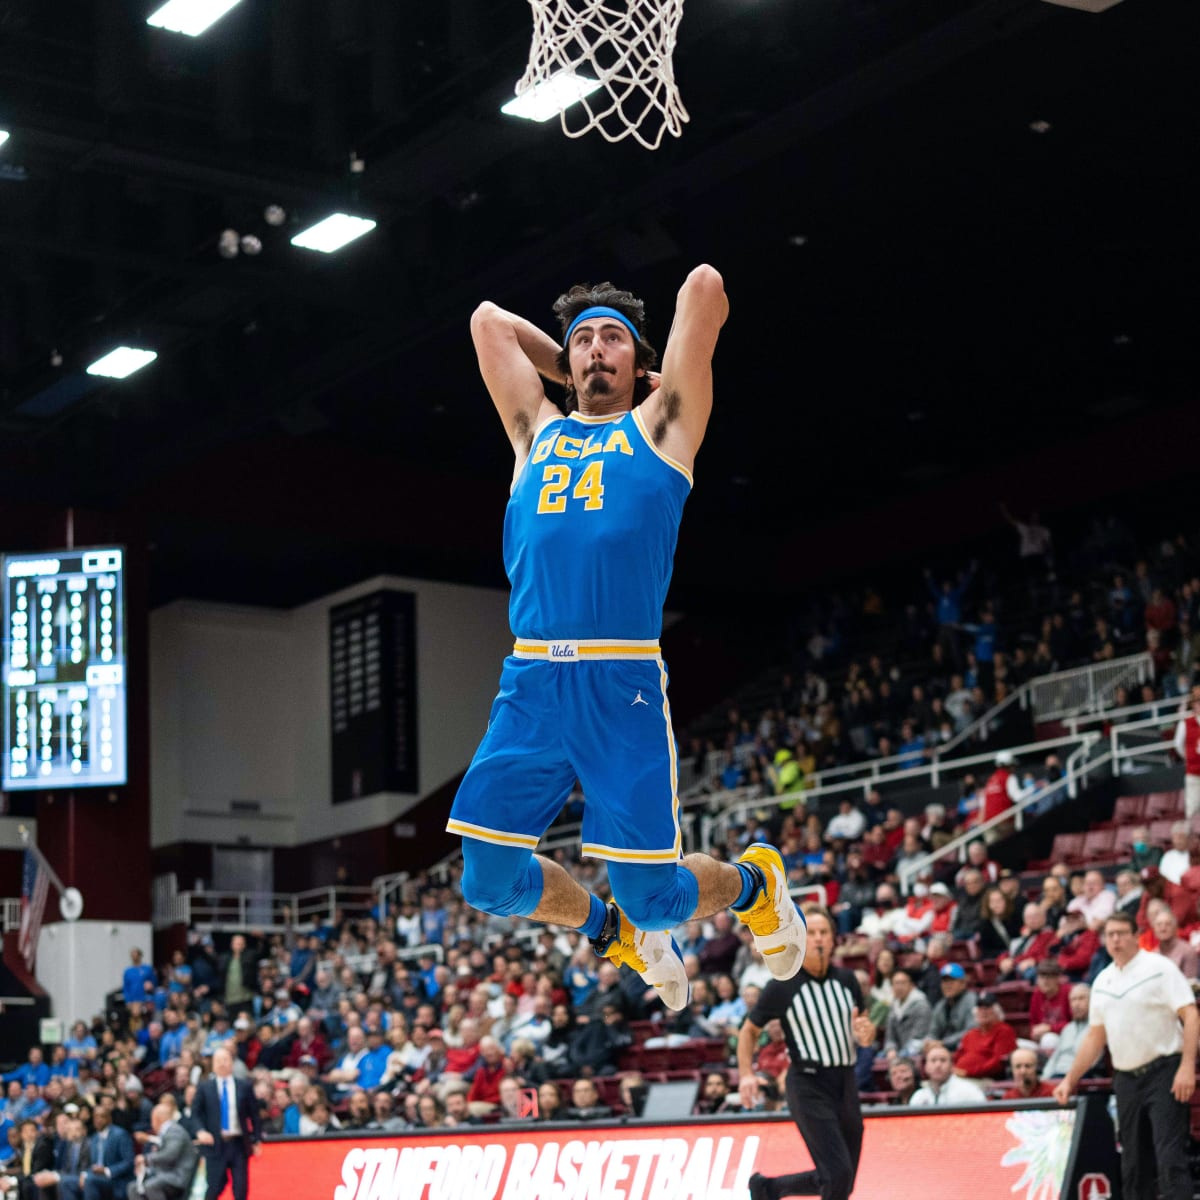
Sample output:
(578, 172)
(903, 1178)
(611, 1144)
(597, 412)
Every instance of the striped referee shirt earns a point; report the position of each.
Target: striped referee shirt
(816, 1016)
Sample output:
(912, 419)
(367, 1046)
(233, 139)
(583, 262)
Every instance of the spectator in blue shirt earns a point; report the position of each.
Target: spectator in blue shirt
(373, 1064)
(62, 1067)
(948, 598)
(136, 977)
(433, 919)
(912, 747)
(170, 1045)
(81, 1044)
(33, 1073)
(32, 1105)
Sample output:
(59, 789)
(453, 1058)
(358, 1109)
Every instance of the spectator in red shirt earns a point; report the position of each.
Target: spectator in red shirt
(490, 1068)
(308, 1042)
(1049, 1007)
(773, 1056)
(1030, 947)
(461, 1058)
(1076, 945)
(984, 1050)
(1027, 1082)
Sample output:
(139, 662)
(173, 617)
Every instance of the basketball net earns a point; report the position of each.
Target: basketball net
(624, 45)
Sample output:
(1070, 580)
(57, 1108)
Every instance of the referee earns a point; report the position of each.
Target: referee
(1143, 1009)
(819, 1008)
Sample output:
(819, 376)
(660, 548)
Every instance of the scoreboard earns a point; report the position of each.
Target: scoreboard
(64, 669)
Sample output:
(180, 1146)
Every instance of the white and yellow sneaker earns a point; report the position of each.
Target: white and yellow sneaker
(780, 932)
(654, 956)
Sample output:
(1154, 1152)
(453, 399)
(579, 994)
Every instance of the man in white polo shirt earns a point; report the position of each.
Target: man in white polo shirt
(1143, 1009)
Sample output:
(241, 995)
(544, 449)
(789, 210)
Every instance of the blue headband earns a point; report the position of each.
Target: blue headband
(601, 311)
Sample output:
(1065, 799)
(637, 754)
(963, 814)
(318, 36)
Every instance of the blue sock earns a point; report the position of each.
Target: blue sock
(593, 927)
(754, 883)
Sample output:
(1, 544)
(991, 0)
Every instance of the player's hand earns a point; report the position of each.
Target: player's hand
(1062, 1093)
(654, 379)
(1184, 1083)
(256, 1149)
(204, 1138)
(748, 1090)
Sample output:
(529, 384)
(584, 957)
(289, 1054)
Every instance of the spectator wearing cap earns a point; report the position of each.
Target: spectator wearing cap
(943, 1086)
(983, 1051)
(1000, 793)
(1027, 1082)
(1059, 1062)
(1172, 946)
(1143, 1009)
(1096, 901)
(1076, 945)
(1187, 746)
(908, 1018)
(954, 1013)
(1049, 1006)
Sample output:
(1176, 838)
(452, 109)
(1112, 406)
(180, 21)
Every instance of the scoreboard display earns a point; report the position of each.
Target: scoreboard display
(64, 669)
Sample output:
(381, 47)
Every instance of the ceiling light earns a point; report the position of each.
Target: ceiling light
(550, 97)
(122, 361)
(3, 136)
(192, 17)
(332, 233)
(1040, 126)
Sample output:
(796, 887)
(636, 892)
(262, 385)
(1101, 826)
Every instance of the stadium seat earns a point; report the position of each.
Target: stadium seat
(1067, 847)
(1160, 831)
(1129, 810)
(1164, 804)
(1099, 845)
(1123, 846)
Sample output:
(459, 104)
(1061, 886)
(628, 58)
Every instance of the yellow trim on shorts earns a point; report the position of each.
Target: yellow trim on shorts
(593, 850)
(498, 837)
(662, 678)
(595, 649)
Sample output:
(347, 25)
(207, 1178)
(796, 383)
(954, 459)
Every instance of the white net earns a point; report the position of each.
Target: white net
(626, 47)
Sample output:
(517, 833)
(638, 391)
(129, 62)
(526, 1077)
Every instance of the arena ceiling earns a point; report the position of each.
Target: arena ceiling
(953, 234)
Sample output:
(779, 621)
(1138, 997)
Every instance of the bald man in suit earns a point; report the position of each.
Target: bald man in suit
(229, 1130)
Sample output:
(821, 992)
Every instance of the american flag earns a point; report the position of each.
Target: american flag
(35, 885)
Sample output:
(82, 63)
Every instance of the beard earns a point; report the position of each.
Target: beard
(597, 383)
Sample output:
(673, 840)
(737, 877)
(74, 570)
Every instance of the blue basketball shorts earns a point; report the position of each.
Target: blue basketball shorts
(605, 722)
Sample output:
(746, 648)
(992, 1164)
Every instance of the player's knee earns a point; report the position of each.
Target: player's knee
(499, 880)
(654, 897)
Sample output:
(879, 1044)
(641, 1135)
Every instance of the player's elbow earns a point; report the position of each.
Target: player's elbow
(486, 318)
(705, 287)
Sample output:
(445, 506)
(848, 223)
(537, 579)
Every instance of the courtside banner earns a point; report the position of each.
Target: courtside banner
(993, 1155)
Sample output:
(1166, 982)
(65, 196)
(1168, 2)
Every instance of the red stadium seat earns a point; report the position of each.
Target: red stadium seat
(1099, 845)
(1160, 831)
(1123, 846)
(1067, 847)
(1164, 804)
(1129, 810)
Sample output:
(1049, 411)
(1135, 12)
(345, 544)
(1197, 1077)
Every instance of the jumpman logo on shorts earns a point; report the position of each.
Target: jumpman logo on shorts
(638, 700)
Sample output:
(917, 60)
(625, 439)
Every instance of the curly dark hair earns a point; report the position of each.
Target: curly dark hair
(585, 295)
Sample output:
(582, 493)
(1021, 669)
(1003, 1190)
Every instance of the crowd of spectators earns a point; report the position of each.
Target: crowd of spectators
(952, 650)
(433, 1015)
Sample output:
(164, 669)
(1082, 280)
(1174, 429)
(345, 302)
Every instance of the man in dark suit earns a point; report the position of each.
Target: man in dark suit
(166, 1172)
(35, 1157)
(71, 1159)
(227, 1116)
(111, 1152)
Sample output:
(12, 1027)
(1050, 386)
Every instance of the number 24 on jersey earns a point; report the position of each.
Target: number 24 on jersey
(556, 479)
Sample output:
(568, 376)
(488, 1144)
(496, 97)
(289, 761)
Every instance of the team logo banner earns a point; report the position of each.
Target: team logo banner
(996, 1155)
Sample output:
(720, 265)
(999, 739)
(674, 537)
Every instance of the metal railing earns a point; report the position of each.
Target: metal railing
(1093, 683)
(934, 775)
(271, 912)
(10, 914)
(1142, 744)
(1088, 688)
(1173, 709)
(1081, 765)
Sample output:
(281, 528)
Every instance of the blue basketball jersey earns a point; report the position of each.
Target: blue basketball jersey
(590, 530)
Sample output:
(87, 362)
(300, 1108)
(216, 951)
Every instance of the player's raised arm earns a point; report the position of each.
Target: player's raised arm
(683, 402)
(512, 354)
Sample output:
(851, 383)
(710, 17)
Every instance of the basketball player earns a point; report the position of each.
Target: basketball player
(589, 538)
